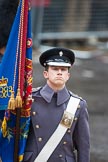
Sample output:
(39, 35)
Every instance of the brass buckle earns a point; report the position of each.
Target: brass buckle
(67, 119)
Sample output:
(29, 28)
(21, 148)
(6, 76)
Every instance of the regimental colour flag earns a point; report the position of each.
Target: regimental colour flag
(16, 86)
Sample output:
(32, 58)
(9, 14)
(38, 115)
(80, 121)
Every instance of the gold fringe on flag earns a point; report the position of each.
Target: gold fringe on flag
(11, 103)
(18, 100)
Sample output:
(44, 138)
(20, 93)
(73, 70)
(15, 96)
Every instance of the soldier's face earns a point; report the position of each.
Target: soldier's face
(57, 76)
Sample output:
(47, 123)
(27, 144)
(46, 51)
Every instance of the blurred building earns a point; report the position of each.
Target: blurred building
(69, 19)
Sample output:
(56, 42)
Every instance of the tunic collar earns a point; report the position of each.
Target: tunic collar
(62, 95)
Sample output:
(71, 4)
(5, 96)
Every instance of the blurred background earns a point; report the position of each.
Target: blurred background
(80, 25)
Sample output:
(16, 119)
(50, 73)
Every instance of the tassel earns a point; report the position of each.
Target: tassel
(4, 127)
(11, 103)
(21, 158)
(18, 100)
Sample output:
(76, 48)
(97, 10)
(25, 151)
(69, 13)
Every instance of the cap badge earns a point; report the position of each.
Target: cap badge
(60, 53)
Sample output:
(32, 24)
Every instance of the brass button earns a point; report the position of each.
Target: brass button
(60, 156)
(40, 139)
(37, 126)
(34, 113)
(64, 142)
(32, 100)
(75, 119)
(69, 131)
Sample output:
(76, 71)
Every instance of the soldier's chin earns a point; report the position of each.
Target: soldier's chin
(59, 82)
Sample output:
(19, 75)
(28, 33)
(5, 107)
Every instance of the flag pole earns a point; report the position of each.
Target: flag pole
(17, 135)
(19, 97)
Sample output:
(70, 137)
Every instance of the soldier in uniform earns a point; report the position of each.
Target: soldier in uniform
(53, 136)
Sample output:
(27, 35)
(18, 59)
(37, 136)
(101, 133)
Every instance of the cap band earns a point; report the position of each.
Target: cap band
(59, 64)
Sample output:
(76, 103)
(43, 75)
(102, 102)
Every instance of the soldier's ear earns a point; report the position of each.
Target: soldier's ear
(68, 76)
(45, 74)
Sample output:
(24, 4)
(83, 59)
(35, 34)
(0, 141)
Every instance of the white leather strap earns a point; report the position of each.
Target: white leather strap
(56, 137)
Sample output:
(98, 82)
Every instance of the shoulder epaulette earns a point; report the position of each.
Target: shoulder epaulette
(75, 95)
(35, 89)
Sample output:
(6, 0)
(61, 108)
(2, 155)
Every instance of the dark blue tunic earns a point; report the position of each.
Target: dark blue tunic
(47, 111)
